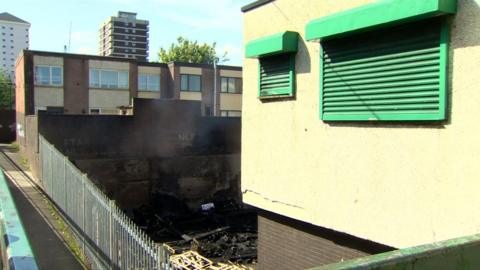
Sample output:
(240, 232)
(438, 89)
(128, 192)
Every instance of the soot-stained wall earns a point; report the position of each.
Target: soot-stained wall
(166, 148)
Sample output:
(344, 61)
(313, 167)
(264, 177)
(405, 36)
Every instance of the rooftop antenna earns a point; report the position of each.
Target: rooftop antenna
(69, 36)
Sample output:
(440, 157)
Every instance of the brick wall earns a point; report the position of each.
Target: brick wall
(76, 85)
(284, 243)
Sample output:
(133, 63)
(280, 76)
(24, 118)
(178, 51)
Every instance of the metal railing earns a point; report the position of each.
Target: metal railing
(106, 235)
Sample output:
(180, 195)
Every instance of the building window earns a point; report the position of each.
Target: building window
(277, 75)
(231, 85)
(48, 75)
(191, 82)
(148, 82)
(95, 111)
(395, 74)
(112, 79)
(55, 110)
(230, 113)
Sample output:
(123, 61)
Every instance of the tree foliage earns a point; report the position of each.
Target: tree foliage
(188, 51)
(7, 93)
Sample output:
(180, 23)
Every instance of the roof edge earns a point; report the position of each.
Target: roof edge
(255, 5)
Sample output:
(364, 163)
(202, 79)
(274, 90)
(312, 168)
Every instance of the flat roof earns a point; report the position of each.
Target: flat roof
(121, 59)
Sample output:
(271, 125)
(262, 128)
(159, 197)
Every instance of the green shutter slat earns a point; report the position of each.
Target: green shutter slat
(357, 96)
(382, 107)
(410, 44)
(391, 74)
(382, 90)
(377, 61)
(384, 85)
(416, 64)
(384, 101)
(383, 74)
(384, 79)
(275, 75)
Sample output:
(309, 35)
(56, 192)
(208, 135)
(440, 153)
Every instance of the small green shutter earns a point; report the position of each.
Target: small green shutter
(277, 75)
(394, 74)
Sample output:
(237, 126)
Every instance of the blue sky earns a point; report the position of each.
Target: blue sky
(203, 20)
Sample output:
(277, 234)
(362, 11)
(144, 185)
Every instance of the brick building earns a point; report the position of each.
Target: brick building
(87, 84)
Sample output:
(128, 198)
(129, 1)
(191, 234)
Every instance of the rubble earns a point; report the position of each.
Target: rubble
(220, 231)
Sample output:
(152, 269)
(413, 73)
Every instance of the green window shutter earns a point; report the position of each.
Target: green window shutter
(277, 75)
(394, 74)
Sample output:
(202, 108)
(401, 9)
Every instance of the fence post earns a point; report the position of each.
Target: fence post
(84, 176)
(111, 204)
(159, 257)
(65, 159)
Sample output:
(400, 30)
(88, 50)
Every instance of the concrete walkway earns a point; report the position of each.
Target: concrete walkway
(50, 250)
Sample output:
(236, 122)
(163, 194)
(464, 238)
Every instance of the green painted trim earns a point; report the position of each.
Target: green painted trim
(278, 92)
(321, 82)
(15, 245)
(379, 14)
(444, 48)
(283, 42)
(460, 253)
(383, 117)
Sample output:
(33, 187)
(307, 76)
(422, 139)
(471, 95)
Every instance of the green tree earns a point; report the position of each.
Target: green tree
(7, 93)
(189, 51)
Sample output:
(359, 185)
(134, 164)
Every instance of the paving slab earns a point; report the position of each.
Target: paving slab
(50, 249)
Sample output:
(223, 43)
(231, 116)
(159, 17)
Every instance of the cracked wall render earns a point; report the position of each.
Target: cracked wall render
(418, 183)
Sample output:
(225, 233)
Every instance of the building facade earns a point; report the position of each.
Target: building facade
(85, 84)
(14, 34)
(124, 36)
(359, 126)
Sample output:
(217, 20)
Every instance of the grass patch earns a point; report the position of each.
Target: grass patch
(24, 162)
(15, 147)
(66, 233)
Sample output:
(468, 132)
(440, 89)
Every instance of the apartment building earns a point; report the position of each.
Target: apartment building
(14, 38)
(359, 127)
(87, 84)
(124, 36)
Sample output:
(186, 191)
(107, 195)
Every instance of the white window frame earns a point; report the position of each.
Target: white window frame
(99, 86)
(148, 78)
(50, 83)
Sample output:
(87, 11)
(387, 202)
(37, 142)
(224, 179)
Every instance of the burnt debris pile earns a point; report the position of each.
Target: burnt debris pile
(220, 230)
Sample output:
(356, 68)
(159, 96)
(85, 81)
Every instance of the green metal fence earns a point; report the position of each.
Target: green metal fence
(14, 245)
(108, 237)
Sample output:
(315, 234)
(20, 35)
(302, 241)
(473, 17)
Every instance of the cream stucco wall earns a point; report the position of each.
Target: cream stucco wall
(149, 70)
(47, 60)
(397, 184)
(185, 95)
(108, 99)
(231, 102)
(190, 70)
(113, 65)
(148, 94)
(48, 96)
(231, 73)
